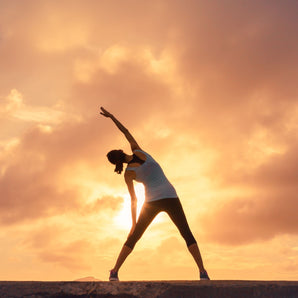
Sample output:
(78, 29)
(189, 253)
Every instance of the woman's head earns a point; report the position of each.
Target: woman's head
(117, 157)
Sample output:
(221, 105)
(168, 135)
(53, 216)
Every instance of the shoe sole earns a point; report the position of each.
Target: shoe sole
(114, 279)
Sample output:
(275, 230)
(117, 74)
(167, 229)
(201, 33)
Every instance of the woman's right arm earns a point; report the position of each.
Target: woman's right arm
(129, 176)
(133, 144)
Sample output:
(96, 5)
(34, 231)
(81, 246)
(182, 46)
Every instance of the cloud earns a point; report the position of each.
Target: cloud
(63, 246)
(246, 220)
(280, 172)
(13, 106)
(42, 173)
(14, 101)
(239, 74)
(130, 86)
(107, 204)
(268, 210)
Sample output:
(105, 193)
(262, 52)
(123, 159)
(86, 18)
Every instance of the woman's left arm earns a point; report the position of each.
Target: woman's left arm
(133, 143)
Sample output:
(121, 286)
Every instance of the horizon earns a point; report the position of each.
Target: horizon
(208, 89)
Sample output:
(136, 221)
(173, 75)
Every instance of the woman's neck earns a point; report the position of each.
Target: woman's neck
(128, 158)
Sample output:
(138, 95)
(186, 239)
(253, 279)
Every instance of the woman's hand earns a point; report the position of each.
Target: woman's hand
(133, 144)
(105, 113)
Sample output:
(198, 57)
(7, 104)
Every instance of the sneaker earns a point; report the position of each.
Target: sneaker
(204, 275)
(113, 276)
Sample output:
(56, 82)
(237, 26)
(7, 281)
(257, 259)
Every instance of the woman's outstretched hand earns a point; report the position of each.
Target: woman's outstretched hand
(105, 113)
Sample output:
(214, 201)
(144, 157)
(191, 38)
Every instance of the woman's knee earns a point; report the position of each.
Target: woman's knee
(132, 240)
(131, 243)
(190, 241)
(189, 238)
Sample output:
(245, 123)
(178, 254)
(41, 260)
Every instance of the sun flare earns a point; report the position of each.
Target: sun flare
(123, 218)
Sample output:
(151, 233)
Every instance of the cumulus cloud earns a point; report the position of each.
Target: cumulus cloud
(41, 177)
(14, 106)
(12, 102)
(129, 89)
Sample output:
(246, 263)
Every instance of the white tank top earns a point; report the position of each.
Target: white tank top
(156, 184)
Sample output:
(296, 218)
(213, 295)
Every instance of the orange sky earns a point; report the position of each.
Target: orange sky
(208, 88)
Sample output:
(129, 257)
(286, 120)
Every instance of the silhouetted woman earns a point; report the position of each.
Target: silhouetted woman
(160, 195)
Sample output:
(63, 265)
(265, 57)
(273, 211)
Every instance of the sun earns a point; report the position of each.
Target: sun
(123, 218)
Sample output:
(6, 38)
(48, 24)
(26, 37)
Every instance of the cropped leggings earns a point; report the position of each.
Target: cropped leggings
(173, 207)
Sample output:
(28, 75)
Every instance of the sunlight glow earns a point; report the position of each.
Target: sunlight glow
(123, 218)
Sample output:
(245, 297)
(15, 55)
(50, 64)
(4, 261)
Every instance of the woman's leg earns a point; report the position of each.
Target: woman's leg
(146, 216)
(176, 213)
(195, 252)
(125, 251)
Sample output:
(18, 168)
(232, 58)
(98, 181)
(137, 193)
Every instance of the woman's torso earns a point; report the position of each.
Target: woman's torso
(149, 172)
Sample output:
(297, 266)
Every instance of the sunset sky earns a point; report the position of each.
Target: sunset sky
(208, 88)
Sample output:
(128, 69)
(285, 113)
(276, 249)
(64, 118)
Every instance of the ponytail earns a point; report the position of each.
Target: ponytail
(119, 167)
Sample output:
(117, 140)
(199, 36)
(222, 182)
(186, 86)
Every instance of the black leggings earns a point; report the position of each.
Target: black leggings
(150, 209)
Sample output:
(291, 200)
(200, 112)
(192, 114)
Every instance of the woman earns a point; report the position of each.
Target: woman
(160, 195)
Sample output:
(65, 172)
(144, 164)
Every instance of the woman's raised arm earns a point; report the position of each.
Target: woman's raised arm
(133, 144)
